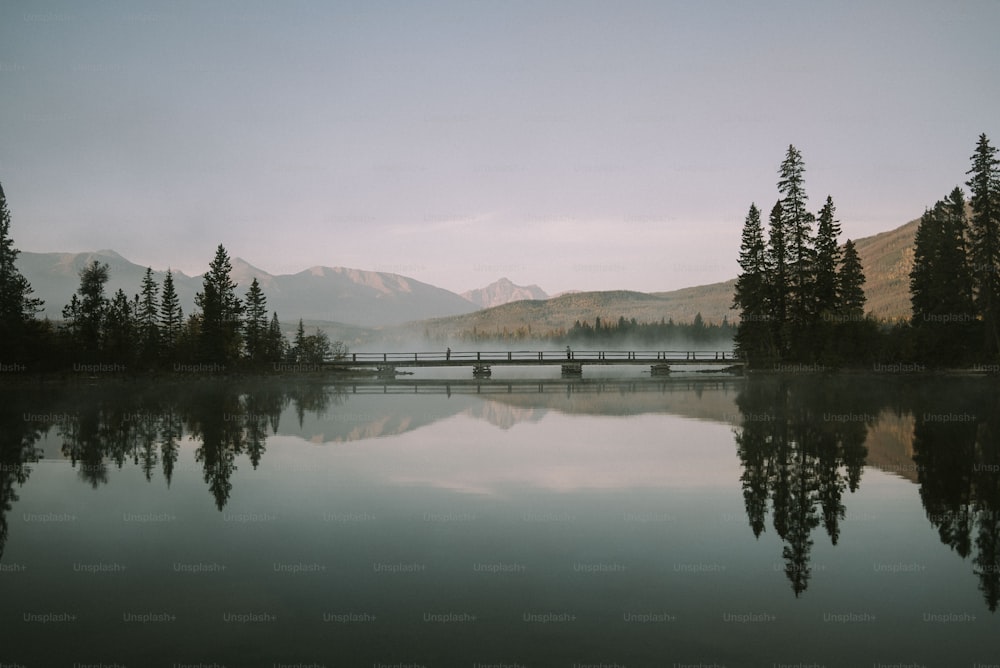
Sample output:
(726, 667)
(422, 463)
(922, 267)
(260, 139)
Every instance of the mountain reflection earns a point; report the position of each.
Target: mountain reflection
(802, 442)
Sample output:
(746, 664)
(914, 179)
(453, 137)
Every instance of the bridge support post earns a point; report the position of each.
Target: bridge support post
(481, 371)
(572, 370)
(661, 369)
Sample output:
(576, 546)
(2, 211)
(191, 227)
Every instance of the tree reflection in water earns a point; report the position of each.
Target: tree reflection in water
(801, 443)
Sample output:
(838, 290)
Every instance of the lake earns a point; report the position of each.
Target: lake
(695, 520)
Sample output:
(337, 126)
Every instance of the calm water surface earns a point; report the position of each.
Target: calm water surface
(836, 521)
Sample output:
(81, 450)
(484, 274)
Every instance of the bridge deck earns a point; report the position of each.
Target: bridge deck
(536, 358)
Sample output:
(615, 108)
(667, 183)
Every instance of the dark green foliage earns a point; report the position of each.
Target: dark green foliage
(631, 333)
(944, 316)
(798, 301)
(255, 324)
(777, 283)
(119, 330)
(311, 349)
(17, 307)
(147, 319)
(751, 295)
(827, 289)
(940, 281)
(799, 243)
(984, 235)
(850, 304)
(275, 341)
(86, 312)
(171, 318)
(220, 313)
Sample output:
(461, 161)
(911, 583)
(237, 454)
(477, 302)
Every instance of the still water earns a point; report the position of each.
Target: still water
(689, 521)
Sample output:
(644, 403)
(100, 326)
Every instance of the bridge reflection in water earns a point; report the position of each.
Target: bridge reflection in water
(526, 386)
(571, 361)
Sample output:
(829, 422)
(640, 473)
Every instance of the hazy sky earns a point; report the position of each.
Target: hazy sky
(577, 145)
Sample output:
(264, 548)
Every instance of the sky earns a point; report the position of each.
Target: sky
(583, 145)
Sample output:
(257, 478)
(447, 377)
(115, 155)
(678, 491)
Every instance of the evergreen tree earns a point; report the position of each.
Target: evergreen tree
(751, 293)
(147, 317)
(923, 289)
(220, 312)
(851, 280)
(171, 316)
(954, 258)
(797, 223)
(777, 262)
(275, 341)
(984, 185)
(86, 314)
(827, 260)
(119, 329)
(17, 306)
(255, 324)
(298, 349)
(315, 348)
(941, 281)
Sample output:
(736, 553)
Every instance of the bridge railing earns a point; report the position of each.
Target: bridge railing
(463, 357)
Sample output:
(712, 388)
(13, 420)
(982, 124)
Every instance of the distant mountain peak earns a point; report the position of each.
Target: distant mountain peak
(352, 296)
(107, 252)
(503, 291)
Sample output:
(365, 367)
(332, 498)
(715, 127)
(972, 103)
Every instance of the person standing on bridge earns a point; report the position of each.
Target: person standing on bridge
(569, 353)
(447, 353)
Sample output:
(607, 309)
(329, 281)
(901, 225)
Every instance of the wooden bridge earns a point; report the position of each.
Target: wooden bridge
(571, 361)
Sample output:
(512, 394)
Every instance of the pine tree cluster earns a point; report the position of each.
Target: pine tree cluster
(799, 294)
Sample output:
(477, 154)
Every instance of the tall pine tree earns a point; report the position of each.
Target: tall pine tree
(955, 271)
(778, 286)
(751, 293)
(941, 281)
(17, 306)
(275, 341)
(147, 318)
(85, 315)
(120, 329)
(923, 285)
(255, 324)
(171, 317)
(827, 261)
(984, 185)
(850, 285)
(797, 223)
(220, 312)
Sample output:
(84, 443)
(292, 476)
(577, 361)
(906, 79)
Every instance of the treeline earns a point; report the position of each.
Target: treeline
(610, 332)
(650, 333)
(955, 280)
(801, 298)
(147, 331)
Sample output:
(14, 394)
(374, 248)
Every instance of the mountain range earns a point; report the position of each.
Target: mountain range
(334, 294)
(356, 300)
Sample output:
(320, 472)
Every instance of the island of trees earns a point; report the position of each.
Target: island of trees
(800, 295)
